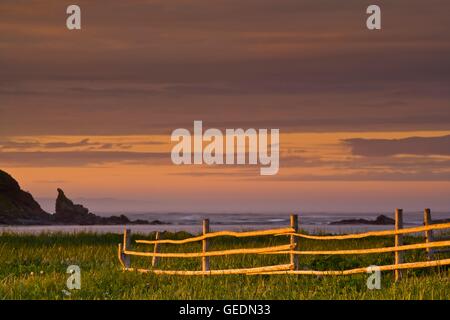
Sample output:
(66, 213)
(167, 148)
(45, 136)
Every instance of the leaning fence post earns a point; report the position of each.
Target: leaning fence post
(126, 245)
(294, 245)
(428, 233)
(155, 259)
(205, 260)
(398, 242)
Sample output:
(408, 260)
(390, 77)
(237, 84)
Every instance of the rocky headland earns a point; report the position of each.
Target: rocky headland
(18, 207)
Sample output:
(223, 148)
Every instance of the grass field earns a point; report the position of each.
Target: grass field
(34, 267)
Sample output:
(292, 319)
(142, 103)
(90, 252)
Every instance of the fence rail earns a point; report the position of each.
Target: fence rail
(383, 233)
(265, 250)
(282, 231)
(293, 249)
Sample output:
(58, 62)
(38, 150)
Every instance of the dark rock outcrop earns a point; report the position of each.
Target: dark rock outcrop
(440, 221)
(66, 212)
(69, 213)
(18, 206)
(380, 220)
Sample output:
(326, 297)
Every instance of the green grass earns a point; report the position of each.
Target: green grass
(34, 267)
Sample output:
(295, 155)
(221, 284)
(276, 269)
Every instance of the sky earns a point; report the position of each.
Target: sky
(364, 116)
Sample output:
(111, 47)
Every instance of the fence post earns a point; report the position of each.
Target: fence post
(126, 245)
(294, 257)
(398, 242)
(205, 260)
(155, 250)
(429, 233)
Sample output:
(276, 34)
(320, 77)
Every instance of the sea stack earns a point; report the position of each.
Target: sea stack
(18, 207)
(68, 212)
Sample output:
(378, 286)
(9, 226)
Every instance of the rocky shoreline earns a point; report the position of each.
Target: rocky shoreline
(380, 220)
(18, 207)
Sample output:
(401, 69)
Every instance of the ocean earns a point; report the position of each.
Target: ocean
(311, 222)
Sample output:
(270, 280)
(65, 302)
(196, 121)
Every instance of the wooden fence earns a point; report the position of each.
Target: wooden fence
(293, 249)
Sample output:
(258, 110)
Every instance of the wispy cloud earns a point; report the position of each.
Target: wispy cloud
(81, 158)
(83, 144)
(390, 147)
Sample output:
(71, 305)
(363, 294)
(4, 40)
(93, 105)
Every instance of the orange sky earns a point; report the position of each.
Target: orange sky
(364, 116)
(314, 168)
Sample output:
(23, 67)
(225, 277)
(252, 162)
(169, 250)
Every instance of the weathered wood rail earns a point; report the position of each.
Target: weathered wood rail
(293, 249)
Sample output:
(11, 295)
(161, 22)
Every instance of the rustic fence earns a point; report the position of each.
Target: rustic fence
(293, 249)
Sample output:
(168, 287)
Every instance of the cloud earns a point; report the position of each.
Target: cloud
(367, 176)
(81, 158)
(278, 45)
(24, 145)
(84, 144)
(375, 110)
(300, 65)
(57, 145)
(19, 145)
(389, 147)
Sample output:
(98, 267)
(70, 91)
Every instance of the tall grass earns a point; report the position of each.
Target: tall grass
(34, 267)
